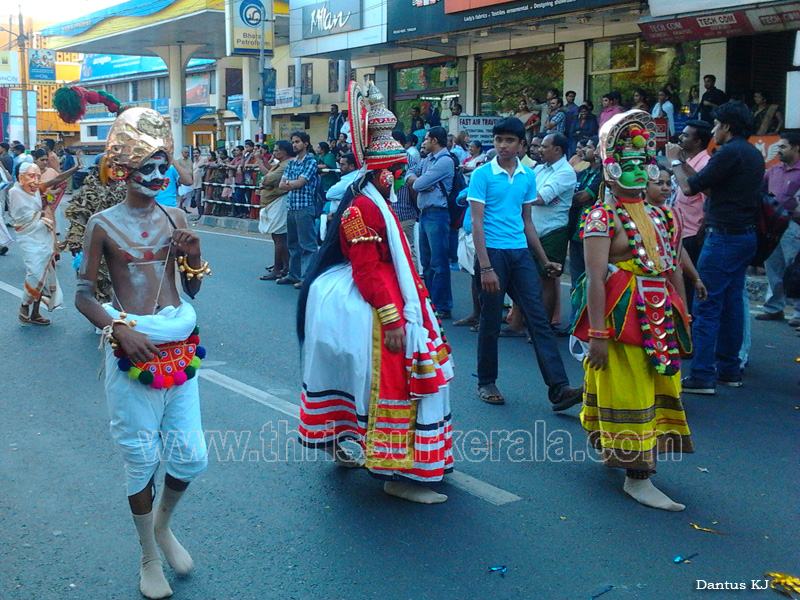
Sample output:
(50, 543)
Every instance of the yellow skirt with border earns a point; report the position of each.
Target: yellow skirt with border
(632, 413)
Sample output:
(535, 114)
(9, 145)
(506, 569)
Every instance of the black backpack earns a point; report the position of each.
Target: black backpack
(455, 209)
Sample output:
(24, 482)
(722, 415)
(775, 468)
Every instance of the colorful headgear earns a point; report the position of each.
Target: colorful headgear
(371, 126)
(135, 136)
(71, 102)
(625, 137)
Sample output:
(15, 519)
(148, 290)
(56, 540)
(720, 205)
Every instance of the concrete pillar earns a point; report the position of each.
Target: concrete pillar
(467, 85)
(793, 89)
(251, 84)
(298, 72)
(381, 79)
(344, 79)
(713, 60)
(176, 58)
(575, 69)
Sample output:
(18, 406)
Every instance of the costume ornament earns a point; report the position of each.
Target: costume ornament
(71, 102)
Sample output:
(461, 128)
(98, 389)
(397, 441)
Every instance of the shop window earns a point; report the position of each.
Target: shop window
(307, 78)
(505, 81)
(333, 76)
(627, 64)
(134, 91)
(431, 87)
(212, 84)
(162, 87)
(92, 131)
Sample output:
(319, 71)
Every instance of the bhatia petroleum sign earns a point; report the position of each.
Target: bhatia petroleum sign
(243, 26)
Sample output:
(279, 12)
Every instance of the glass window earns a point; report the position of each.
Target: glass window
(162, 87)
(307, 78)
(426, 77)
(134, 91)
(505, 81)
(628, 64)
(333, 76)
(290, 76)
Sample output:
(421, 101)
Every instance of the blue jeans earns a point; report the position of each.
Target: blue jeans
(301, 237)
(434, 252)
(519, 278)
(719, 320)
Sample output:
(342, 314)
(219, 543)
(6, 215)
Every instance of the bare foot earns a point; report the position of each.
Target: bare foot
(644, 492)
(413, 493)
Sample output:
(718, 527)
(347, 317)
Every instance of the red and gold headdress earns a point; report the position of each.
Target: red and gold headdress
(625, 137)
(371, 125)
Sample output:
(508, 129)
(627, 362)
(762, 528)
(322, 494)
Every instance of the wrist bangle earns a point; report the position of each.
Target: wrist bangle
(601, 334)
(487, 270)
(191, 272)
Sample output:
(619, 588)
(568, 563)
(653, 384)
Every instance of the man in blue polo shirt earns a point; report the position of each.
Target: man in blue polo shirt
(501, 194)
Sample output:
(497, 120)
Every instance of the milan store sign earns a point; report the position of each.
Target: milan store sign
(333, 16)
(425, 18)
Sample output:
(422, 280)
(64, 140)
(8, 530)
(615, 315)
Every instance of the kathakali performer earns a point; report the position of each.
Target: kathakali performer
(35, 223)
(631, 312)
(376, 365)
(150, 336)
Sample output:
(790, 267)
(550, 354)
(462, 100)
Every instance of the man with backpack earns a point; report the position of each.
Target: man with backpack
(433, 184)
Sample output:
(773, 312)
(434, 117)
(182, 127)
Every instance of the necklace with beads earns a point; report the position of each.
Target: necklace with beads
(651, 265)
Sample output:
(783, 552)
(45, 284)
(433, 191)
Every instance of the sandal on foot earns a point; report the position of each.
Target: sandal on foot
(25, 320)
(40, 321)
(484, 395)
(270, 277)
(510, 333)
(465, 321)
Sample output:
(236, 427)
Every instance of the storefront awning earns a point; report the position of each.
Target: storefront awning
(719, 23)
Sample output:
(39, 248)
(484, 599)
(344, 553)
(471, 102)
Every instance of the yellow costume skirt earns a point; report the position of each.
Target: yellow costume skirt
(632, 413)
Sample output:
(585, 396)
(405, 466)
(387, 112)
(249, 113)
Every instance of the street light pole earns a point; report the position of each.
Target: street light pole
(266, 119)
(23, 78)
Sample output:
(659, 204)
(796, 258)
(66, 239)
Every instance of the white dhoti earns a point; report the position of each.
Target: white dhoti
(272, 218)
(152, 426)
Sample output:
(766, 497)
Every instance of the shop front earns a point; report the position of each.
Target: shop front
(431, 86)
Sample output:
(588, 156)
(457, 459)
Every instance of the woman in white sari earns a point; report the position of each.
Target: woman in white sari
(35, 227)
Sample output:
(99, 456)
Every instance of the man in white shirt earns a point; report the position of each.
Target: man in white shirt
(555, 183)
(346, 128)
(665, 110)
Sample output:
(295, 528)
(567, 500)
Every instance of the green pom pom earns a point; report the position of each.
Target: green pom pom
(190, 372)
(196, 330)
(639, 142)
(133, 372)
(195, 363)
(146, 377)
(69, 105)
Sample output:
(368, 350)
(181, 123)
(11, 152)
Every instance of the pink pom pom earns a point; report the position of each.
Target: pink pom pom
(92, 97)
(179, 378)
(158, 382)
(609, 161)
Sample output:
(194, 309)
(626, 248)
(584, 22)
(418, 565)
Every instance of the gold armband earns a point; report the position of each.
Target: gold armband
(190, 272)
(388, 314)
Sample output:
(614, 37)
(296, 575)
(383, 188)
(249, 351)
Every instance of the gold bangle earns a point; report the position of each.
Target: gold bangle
(190, 272)
(388, 314)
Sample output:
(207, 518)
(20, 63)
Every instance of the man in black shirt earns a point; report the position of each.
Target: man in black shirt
(733, 178)
(712, 98)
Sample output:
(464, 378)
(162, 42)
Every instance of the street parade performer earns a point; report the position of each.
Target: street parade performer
(149, 336)
(631, 312)
(376, 366)
(35, 224)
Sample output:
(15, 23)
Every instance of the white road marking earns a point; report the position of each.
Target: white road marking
(233, 235)
(11, 289)
(471, 485)
(481, 489)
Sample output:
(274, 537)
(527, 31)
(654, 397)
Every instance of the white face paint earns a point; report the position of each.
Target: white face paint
(148, 179)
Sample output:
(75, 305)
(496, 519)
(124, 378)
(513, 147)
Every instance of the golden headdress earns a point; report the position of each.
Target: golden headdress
(135, 136)
(628, 136)
(371, 125)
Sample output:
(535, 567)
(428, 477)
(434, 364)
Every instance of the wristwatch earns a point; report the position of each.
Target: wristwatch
(676, 162)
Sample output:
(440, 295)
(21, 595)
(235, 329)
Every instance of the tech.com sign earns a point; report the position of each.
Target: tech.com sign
(244, 20)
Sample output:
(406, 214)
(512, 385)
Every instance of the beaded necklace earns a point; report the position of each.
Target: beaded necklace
(636, 243)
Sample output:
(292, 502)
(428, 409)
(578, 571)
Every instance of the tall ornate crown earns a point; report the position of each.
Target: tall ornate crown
(371, 125)
(628, 136)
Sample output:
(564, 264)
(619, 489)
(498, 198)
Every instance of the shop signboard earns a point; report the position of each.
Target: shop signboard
(766, 144)
(717, 24)
(41, 66)
(478, 128)
(662, 132)
(190, 114)
(288, 97)
(244, 21)
(9, 69)
(269, 86)
(107, 66)
(331, 17)
(422, 18)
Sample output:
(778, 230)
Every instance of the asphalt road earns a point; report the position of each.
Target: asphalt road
(290, 527)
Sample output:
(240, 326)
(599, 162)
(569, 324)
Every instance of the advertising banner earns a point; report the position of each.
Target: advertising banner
(269, 86)
(479, 128)
(288, 97)
(243, 24)
(107, 66)
(198, 89)
(41, 66)
(423, 18)
(9, 69)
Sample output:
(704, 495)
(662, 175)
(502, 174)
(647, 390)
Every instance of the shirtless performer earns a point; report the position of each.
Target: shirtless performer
(150, 336)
